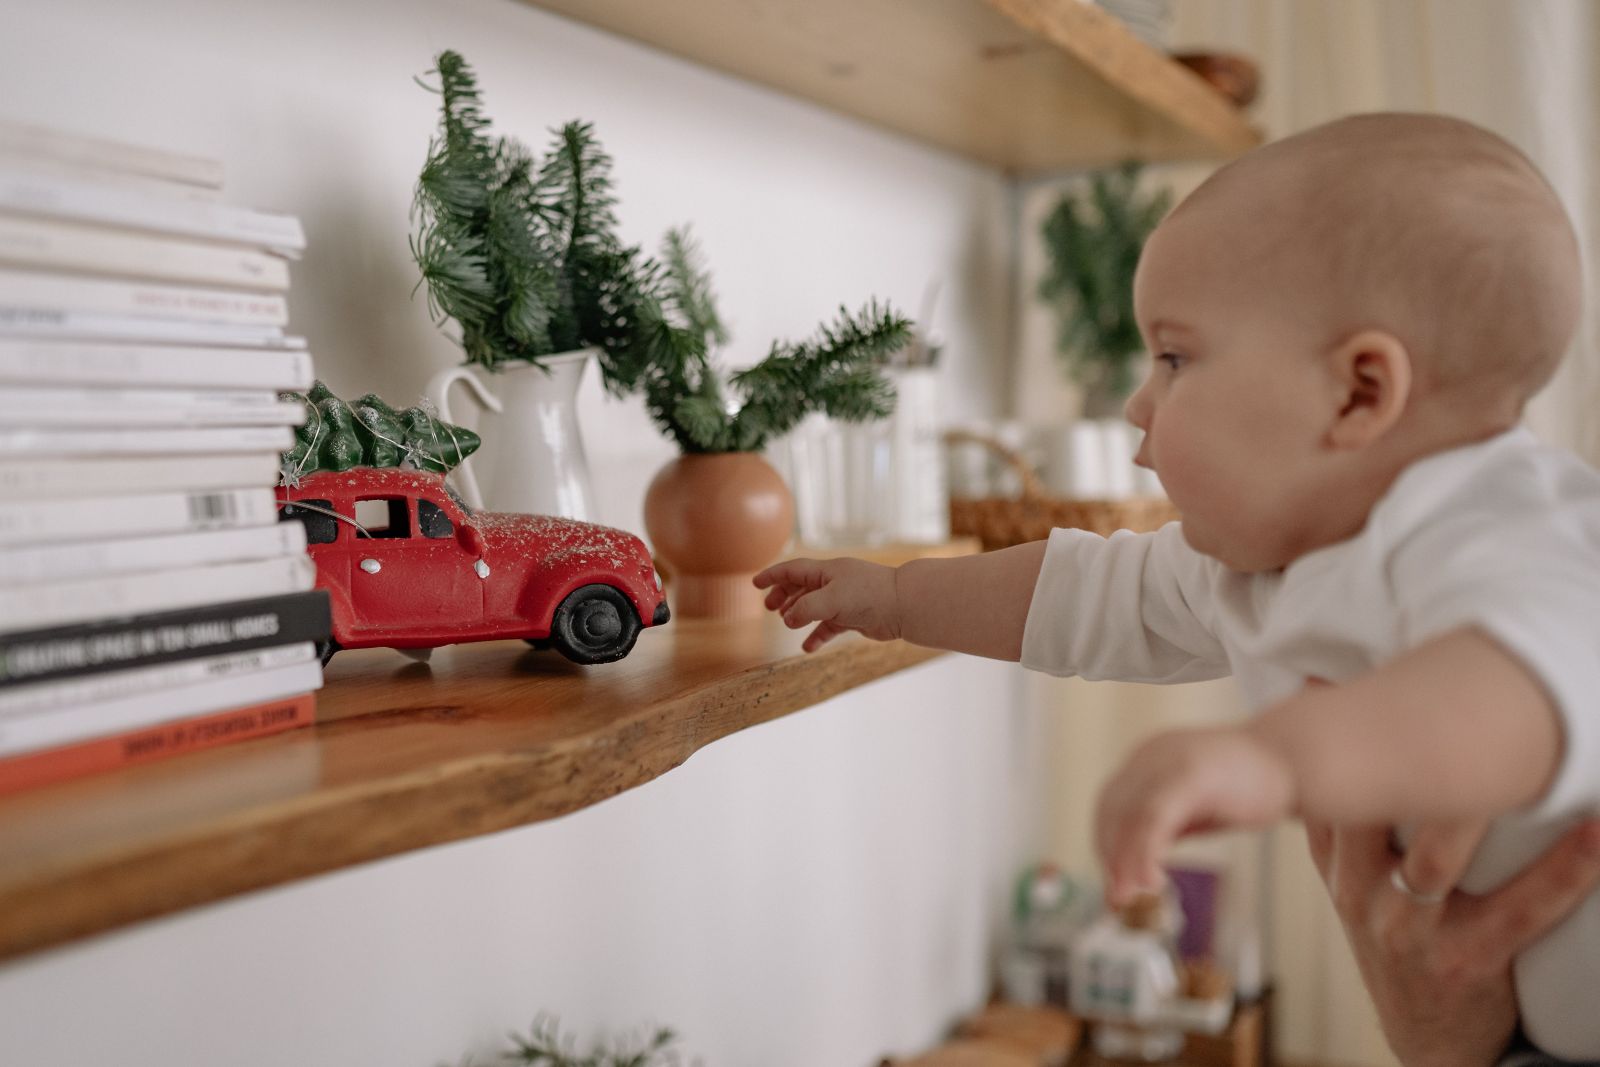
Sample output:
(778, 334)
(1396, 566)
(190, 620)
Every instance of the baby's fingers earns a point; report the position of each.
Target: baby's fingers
(819, 605)
(824, 632)
(791, 574)
(1133, 854)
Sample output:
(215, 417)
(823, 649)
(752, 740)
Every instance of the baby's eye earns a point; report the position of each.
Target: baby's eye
(1172, 359)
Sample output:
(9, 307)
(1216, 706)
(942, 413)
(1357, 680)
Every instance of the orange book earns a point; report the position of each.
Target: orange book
(34, 769)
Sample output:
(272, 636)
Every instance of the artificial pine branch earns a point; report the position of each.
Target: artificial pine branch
(545, 1046)
(526, 261)
(499, 241)
(688, 288)
(837, 373)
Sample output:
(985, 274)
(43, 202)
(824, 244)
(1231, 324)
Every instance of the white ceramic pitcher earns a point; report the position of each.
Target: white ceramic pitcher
(532, 458)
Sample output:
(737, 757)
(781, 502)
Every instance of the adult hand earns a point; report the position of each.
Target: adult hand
(1439, 970)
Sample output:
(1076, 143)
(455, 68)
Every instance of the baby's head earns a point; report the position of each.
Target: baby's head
(1332, 307)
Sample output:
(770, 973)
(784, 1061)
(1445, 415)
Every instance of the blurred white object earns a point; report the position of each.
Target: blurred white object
(532, 459)
(1124, 977)
(1120, 444)
(842, 477)
(920, 505)
(1150, 20)
(1023, 974)
(1076, 464)
(1003, 478)
(967, 465)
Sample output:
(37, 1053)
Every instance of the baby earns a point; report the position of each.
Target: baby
(1346, 326)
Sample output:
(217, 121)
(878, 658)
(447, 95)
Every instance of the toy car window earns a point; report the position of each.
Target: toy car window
(385, 516)
(321, 529)
(455, 498)
(432, 520)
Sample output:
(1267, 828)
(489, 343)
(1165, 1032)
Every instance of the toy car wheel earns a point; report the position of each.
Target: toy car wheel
(326, 649)
(595, 624)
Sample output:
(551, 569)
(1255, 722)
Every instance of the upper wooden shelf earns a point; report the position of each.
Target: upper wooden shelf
(1029, 86)
(405, 755)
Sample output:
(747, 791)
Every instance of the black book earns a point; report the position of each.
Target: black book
(163, 637)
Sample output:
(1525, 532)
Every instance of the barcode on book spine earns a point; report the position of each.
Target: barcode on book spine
(212, 507)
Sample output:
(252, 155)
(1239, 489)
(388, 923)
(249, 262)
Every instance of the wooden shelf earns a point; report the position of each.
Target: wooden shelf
(893, 553)
(1029, 86)
(405, 755)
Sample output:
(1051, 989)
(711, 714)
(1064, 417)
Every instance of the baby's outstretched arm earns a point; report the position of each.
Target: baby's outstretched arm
(1456, 728)
(976, 604)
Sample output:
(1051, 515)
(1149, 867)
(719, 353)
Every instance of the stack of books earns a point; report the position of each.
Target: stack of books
(150, 601)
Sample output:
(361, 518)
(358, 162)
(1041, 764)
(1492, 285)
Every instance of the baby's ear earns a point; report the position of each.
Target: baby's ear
(1372, 375)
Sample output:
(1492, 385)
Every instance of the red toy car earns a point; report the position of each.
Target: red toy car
(408, 565)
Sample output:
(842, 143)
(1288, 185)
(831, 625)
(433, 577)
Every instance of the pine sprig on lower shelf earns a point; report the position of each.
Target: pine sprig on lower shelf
(546, 1046)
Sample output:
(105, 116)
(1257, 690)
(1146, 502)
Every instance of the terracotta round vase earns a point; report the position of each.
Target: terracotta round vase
(716, 519)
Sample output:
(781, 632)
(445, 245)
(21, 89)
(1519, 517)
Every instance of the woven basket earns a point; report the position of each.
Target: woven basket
(1000, 522)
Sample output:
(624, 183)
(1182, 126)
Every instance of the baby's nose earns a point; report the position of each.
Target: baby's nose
(1137, 409)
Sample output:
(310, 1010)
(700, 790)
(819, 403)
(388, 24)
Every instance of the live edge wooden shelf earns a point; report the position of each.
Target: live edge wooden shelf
(405, 755)
(1029, 86)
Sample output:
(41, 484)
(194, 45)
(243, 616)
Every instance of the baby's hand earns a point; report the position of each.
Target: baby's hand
(837, 595)
(1179, 783)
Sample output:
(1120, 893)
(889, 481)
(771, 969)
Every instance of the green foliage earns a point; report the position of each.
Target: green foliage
(838, 372)
(527, 263)
(519, 256)
(688, 289)
(546, 1047)
(370, 433)
(1094, 248)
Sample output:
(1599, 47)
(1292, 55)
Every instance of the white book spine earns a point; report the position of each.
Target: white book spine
(104, 326)
(143, 513)
(92, 250)
(58, 479)
(92, 560)
(48, 442)
(63, 726)
(22, 700)
(41, 142)
(48, 406)
(54, 168)
(59, 604)
(108, 296)
(88, 363)
(34, 194)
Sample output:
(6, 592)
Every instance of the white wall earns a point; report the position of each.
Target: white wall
(313, 108)
(820, 890)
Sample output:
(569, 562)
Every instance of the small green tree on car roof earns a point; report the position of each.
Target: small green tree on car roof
(368, 432)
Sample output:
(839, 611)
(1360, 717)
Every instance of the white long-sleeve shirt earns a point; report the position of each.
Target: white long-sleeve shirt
(1503, 535)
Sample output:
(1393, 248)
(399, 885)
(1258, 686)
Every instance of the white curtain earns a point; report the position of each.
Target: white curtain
(1522, 68)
